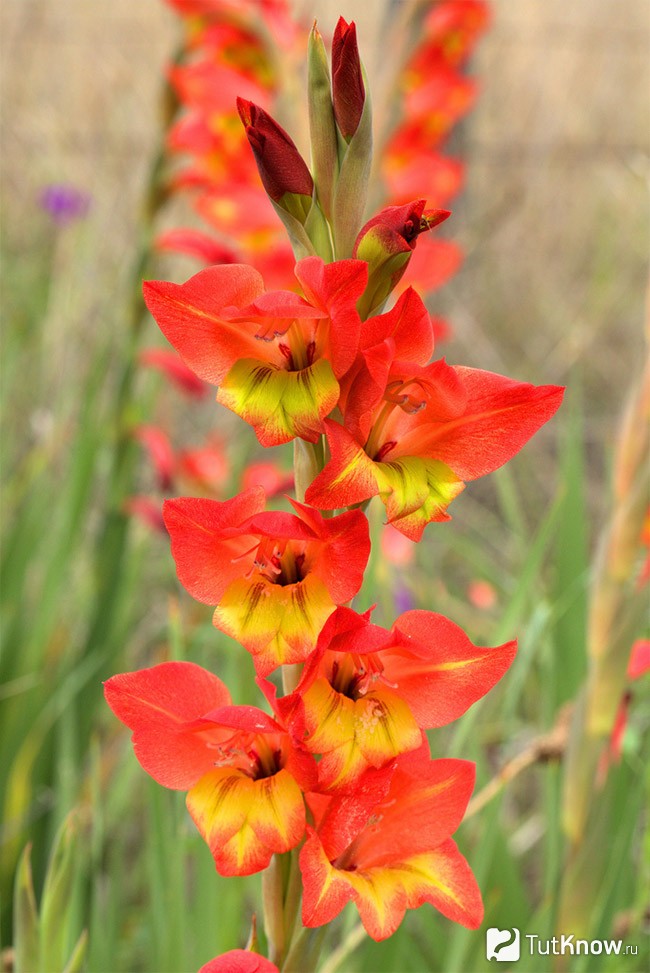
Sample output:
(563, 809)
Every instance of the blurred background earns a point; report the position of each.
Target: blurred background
(553, 221)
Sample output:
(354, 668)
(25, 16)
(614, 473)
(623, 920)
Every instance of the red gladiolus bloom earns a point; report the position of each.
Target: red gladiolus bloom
(412, 434)
(272, 478)
(277, 357)
(206, 468)
(274, 577)
(388, 847)
(366, 694)
(239, 961)
(243, 774)
(451, 31)
(156, 442)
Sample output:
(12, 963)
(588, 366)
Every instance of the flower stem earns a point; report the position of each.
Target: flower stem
(303, 954)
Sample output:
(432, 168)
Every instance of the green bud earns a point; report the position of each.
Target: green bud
(322, 126)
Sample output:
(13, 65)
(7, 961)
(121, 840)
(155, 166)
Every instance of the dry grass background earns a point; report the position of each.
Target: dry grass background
(554, 219)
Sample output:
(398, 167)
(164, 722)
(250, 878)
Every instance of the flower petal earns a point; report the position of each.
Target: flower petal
(246, 821)
(161, 705)
(440, 672)
(336, 288)
(278, 624)
(189, 315)
(441, 877)
(353, 735)
(239, 961)
(424, 805)
(416, 492)
(205, 543)
(280, 405)
(499, 418)
(350, 476)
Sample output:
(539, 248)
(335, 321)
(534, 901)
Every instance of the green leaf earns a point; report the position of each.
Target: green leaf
(25, 917)
(58, 902)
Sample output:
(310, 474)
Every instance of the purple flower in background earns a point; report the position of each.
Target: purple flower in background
(404, 600)
(64, 203)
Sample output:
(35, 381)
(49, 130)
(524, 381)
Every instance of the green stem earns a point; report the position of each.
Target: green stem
(303, 954)
(273, 905)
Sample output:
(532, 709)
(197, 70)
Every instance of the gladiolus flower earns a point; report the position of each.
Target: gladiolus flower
(388, 848)
(207, 467)
(197, 244)
(276, 356)
(239, 961)
(271, 477)
(348, 92)
(274, 577)
(366, 693)
(243, 775)
(157, 443)
(413, 434)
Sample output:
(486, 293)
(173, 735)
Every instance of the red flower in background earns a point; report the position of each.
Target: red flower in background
(239, 961)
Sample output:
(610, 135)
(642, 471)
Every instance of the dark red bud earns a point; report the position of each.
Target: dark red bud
(348, 92)
(281, 167)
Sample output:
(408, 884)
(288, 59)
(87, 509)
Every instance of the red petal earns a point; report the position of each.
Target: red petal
(336, 288)
(408, 324)
(423, 807)
(239, 961)
(439, 671)
(345, 552)
(500, 417)
(189, 315)
(348, 478)
(161, 706)
(206, 542)
(324, 892)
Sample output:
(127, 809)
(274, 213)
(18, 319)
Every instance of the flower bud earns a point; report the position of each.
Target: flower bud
(386, 243)
(282, 169)
(322, 126)
(348, 91)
